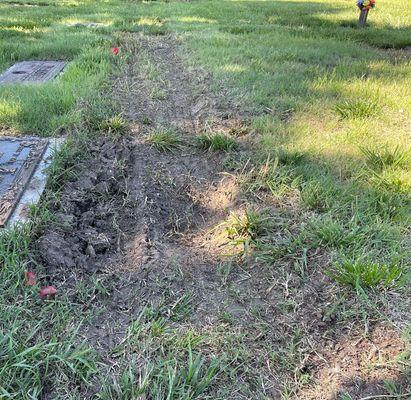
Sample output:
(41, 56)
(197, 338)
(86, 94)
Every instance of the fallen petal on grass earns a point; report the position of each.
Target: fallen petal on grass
(47, 291)
(30, 278)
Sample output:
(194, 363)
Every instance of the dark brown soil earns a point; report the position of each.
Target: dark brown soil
(144, 223)
(93, 215)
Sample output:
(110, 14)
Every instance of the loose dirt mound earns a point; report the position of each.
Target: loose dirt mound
(93, 213)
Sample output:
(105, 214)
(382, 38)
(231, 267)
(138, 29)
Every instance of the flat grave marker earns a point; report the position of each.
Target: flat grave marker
(19, 158)
(32, 71)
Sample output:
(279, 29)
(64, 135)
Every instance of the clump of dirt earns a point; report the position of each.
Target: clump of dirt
(94, 212)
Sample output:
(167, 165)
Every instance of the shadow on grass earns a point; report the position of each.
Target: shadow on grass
(311, 19)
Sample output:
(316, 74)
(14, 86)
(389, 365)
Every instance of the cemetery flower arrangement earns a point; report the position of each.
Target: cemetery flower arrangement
(365, 4)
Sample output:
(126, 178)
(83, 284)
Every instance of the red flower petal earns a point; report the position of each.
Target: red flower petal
(47, 291)
(31, 278)
(115, 50)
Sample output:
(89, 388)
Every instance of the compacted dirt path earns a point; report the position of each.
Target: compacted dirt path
(146, 228)
(181, 194)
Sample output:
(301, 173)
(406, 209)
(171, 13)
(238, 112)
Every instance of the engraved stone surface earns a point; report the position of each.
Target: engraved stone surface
(32, 71)
(19, 158)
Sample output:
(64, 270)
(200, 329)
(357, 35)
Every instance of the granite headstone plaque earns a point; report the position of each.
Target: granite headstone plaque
(19, 158)
(32, 71)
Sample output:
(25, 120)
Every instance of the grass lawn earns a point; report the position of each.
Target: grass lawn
(328, 105)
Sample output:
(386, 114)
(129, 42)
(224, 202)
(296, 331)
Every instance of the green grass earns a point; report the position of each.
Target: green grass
(37, 339)
(175, 369)
(360, 108)
(215, 142)
(23, 363)
(115, 126)
(244, 230)
(383, 157)
(247, 226)
(363, 274)
(329, 107)
(165, 140)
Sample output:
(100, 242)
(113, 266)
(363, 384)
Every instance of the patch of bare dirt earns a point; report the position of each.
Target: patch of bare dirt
(358, 364)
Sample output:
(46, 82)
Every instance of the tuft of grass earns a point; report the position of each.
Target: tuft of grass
(215, 142)
(165, 140)
(364, 274)
(328, 232)
(380, 158)
(271, 178)
(359, 108)
(115, 126)
(318, 195)
(239, 130)
(291, 157)
(244, 230)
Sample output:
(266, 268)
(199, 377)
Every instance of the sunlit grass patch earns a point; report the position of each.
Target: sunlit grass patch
(148, 26)
(165, 140)
(247, 226)
(392, 180)
(43, 109)
(150, 21)
(195, 19)
(269, 177)
(8, 111)
(359, 108)
(29, 115)
(244, 230)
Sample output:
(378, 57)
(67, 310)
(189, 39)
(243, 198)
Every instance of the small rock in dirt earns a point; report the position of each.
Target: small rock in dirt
(90, 251)
(65, 220)
(83, 204)
(99, 241)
